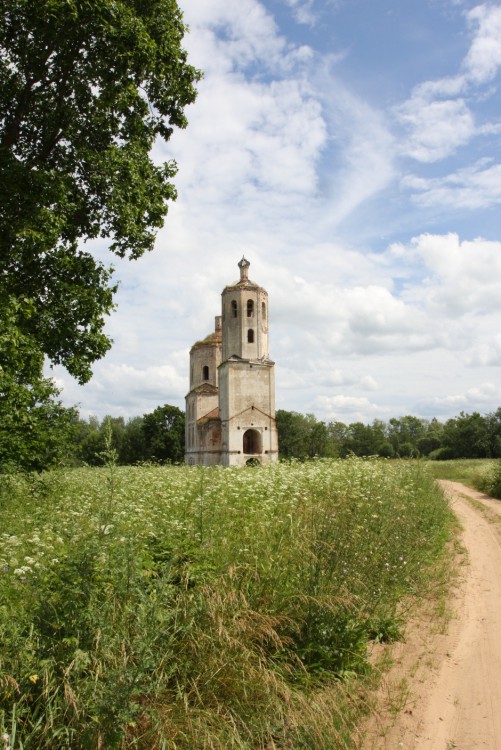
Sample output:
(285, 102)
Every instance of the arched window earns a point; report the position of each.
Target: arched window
(250, 308)
(234, 309)
(252, 442)
(205, 372)
(250, 336)
(263, 310)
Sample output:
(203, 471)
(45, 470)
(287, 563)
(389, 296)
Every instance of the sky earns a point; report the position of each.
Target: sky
(351, 150)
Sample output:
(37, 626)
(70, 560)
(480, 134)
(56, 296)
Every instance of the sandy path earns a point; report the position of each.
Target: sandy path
(454, 679)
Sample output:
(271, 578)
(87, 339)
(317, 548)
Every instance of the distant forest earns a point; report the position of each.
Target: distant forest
(159, 436)
(465, 436)
(60, 436)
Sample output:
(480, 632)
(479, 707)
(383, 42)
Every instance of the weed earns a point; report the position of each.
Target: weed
(180, 607)
(473, 472)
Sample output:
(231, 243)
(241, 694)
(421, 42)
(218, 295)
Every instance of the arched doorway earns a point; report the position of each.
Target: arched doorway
(253, 461)
(252, 442)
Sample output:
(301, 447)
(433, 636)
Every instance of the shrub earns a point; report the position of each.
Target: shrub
(493, 482)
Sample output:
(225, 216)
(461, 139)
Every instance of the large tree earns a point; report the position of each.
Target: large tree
(86, 88)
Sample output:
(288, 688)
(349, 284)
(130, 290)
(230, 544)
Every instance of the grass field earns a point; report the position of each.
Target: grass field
(476, 473)
(188, 608)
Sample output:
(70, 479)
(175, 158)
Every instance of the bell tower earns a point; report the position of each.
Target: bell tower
(245, 318)
(246, 375)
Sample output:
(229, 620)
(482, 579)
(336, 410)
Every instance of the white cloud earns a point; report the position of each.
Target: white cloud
(438, 116)
(484, 56)
(484, 397)
(227, 35)
(487, 353)
(437, 127)
(346, 408)
(257, 131)
(360, 143)
(303, 11)
(124, 390)
(279, 117)
(460, 277)
(369, 383)
(476, 186)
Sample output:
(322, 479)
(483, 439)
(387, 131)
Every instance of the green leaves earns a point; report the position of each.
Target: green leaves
(34, 428)
(163, 430)
(87, 87)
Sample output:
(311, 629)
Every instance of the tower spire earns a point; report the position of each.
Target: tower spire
(244, 269)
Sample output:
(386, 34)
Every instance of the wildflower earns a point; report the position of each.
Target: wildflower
(22, 571)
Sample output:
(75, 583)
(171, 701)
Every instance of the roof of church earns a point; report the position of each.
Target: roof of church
(205, 388)
(214, 414)
(243, 282)
(261, 361)
(215, 337)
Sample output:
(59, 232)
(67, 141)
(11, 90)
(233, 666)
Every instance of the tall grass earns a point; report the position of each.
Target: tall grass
(186, 607)
(477, 473)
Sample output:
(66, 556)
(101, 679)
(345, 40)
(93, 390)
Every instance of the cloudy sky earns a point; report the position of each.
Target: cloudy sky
(351, 149)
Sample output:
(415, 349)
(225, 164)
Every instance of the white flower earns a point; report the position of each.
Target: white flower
(22, 571)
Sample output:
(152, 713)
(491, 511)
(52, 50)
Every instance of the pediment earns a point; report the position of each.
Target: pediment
(250, 410)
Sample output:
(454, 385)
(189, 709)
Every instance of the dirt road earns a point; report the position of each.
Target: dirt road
(449, 684)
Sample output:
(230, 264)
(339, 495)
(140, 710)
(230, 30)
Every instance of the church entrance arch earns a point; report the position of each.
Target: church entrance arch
(252, 442)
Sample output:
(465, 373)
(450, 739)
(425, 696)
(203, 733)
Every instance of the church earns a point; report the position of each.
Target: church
(230, 407)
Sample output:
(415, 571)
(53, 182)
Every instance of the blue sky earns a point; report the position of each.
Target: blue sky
(351, 149)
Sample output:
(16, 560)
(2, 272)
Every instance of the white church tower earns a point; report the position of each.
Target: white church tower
(230, 409)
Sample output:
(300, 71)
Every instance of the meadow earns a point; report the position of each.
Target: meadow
(183, 608)
(481, 474)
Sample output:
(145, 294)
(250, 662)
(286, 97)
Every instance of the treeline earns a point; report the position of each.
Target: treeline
(50, 435)
(465, 436)
(157, 437)
(54, 435)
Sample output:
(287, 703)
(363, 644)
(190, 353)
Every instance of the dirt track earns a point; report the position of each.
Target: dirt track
(449, 685)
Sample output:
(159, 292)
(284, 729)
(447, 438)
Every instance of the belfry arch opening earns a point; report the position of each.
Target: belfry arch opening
(205, 372)
(252, 443)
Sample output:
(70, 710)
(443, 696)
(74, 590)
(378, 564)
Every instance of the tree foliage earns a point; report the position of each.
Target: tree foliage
(87, 87)
(164, 433)
(157, 436)
(465, 436)
(36, 431)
